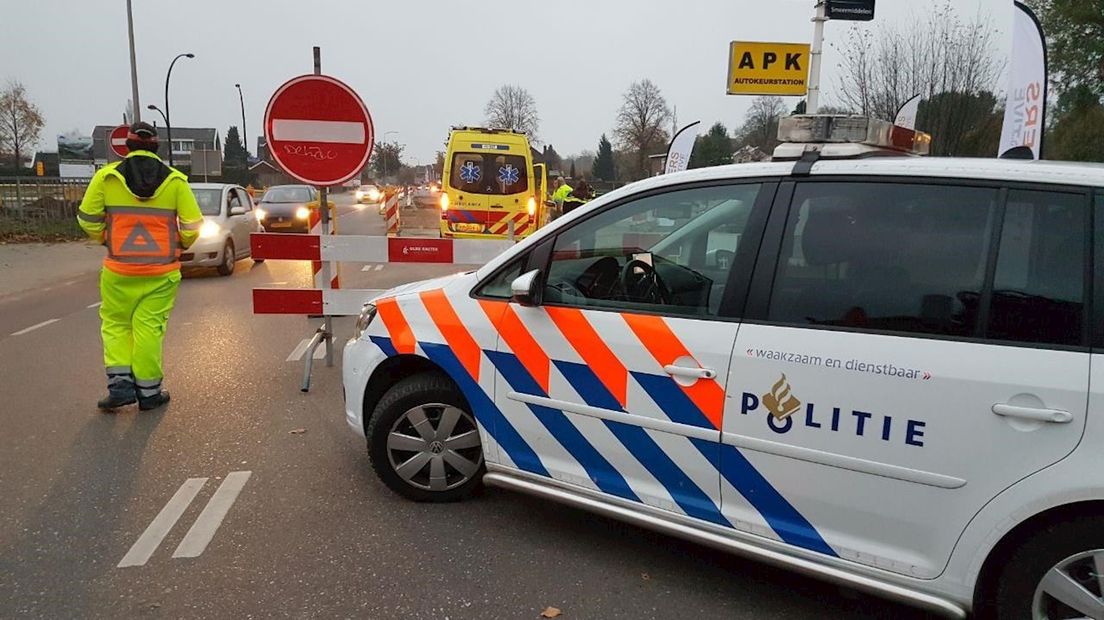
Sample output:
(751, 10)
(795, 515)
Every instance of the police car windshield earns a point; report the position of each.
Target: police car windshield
(210, 201)
(489, 174)
(287, 194)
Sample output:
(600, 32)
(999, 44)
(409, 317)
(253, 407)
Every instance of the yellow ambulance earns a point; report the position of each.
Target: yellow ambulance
(489, 188)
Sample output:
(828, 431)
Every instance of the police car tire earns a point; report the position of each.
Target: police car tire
(1013, 592)
(403, 396)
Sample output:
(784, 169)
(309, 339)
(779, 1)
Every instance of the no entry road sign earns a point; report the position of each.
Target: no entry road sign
(318, 130)
(117, 140)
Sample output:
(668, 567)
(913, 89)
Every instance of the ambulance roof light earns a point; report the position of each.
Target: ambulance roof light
(828, 128)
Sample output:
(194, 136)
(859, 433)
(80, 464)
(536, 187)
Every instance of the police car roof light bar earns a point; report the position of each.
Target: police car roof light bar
(828, 128)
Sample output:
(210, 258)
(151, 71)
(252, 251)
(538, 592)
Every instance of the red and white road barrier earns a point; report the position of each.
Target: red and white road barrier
(391, 212)
(359, 249)
(316, 266)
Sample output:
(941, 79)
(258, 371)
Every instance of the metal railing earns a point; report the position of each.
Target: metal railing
(40, 208)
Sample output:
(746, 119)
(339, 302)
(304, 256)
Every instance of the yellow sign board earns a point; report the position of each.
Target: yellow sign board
(756, 68)
(40, 169)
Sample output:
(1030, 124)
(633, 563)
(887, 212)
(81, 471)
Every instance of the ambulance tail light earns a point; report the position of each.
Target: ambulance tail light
(531, 205)
(444, 202)
(827, 128)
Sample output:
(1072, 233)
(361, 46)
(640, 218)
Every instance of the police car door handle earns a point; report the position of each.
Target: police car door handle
(690, 373)
(1055, 416)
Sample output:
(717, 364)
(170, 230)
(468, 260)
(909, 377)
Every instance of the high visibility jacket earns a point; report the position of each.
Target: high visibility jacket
(144, 212)
(561, 194)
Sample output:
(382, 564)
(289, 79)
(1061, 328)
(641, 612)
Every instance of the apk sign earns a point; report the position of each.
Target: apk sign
(757, 68)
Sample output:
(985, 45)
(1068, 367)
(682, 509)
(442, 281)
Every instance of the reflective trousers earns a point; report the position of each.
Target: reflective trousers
(134, 314)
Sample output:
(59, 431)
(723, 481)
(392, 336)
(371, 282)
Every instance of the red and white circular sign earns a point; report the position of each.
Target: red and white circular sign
(318, 130)
(117, 140)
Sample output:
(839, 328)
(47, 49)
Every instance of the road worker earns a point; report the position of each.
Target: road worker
(560, 191)
(145, 213)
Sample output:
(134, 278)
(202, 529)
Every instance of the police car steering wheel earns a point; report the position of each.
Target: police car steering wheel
(641, 283)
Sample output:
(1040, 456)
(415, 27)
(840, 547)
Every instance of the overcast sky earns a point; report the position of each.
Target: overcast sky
(421, 66)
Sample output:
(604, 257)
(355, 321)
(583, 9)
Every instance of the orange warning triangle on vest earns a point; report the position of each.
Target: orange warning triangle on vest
(140, 240)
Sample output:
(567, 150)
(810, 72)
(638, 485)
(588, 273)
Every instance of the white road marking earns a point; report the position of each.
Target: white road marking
(34, 327)
(150, 539)
(372, 267)
(95, 305)
(301, 348)
(208, 522)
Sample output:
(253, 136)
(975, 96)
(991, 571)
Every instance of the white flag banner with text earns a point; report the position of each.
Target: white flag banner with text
(906, 116)
(678, 154)
(1025, 108)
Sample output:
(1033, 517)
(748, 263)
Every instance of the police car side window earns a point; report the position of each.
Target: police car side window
(498, 287)
(669, 252)
(884, 256)
(1039, 286)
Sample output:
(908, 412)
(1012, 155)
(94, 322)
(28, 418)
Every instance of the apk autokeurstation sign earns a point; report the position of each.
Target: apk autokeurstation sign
(758, 68)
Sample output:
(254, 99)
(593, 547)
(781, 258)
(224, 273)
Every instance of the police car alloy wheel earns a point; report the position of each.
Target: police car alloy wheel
(1058, 574)
(424, 443)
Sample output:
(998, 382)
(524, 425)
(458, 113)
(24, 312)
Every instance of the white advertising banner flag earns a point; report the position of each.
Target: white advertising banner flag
(1025, 109)
(906, 116)
(678, 154)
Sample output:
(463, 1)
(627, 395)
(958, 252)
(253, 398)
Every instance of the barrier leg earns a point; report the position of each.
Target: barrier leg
(308, 356)
(329, 342)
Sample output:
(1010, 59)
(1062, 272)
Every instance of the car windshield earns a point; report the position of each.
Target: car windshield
(210, 200)
(479, 173)
(287, 194)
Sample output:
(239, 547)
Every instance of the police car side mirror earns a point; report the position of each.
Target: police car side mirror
(523, 290)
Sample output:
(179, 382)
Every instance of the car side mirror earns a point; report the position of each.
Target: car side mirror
(237, 210)
(523, 290)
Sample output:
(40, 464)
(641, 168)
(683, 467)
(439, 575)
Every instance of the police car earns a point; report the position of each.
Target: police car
(873, 370)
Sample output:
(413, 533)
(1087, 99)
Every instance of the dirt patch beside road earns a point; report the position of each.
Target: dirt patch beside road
(25, 266)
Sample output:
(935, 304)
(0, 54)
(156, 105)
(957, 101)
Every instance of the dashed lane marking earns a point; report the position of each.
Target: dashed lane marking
(95, 305)
(372, 267)
(208, 522)
(301, 348)
(34, 327)
(150, 539)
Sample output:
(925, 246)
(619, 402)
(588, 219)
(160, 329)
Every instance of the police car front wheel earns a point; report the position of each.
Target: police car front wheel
(423, 442)
(1057, 574)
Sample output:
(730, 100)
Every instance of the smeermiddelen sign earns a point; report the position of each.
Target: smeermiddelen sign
(851, 10)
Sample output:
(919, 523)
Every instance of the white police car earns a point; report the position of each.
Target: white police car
(873, 370)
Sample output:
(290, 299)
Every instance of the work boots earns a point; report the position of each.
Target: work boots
(120, 390)
(150, 394)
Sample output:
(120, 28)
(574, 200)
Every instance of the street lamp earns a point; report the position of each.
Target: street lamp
(244, 136)
(156, 109)
(384, 155)
(168, 125)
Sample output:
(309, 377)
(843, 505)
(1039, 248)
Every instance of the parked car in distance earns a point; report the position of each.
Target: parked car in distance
(286, 208)
(228, 219)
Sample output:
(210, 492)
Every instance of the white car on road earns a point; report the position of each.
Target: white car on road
(880, 371)
(229, 217)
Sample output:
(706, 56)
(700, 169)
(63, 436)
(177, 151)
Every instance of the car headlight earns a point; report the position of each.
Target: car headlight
(359, 195)
(302, 213)
(364, 319)
(209, 230)
(373, 195)
(261, 214)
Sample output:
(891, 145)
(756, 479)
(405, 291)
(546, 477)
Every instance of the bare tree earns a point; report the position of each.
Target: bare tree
(640, 123)
(760, 128)
(512, 107)
(928, 56)
(20, 121)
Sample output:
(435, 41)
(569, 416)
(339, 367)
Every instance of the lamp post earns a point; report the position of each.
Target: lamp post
(135, 107)
(244, 135)
(168, 124)
(384, 155)
(158, 110)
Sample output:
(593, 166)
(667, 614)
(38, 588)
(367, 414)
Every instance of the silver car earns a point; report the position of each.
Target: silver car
(228, 219)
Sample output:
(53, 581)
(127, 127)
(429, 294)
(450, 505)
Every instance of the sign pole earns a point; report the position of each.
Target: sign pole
(324, 208)
(812, 104)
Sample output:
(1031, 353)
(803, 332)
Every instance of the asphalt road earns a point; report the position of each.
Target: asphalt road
(311, 534)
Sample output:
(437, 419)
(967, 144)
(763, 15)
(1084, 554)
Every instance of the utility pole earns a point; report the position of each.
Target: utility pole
(136, 107)
(244, 135)
(812, 105)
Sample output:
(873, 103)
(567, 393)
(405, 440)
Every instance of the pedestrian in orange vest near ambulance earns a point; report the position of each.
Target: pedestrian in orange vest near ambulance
(145, 213)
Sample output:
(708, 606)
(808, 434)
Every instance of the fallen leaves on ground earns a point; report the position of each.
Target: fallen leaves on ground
(551, 612)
